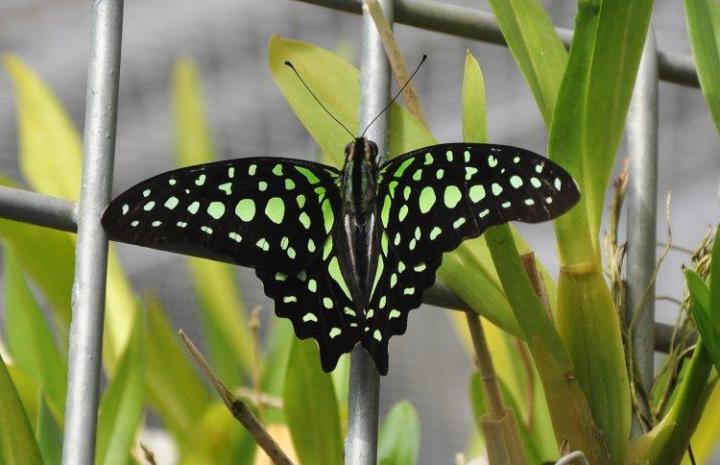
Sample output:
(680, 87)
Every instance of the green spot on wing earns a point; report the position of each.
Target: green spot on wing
(275, 210)
(427, 199)
(403, 166)
(336, 275)
(245, 209)
(309, 175)
(452, 196)
(216, 210)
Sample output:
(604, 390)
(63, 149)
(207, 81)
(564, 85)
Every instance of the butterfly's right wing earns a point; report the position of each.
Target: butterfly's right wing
(251, 211)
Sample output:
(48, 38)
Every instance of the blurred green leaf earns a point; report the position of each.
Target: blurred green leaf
(714, 279)
(30, 340)
(703, 21)
(311, 409)
(49, 434)
(536, 47)
(399, 437)
(17, 442)
(50, 147)
(174, 389)
(225, 326)
(121, 406)
(218, 439)
(278, 341)
(48, 257)
(44, 124)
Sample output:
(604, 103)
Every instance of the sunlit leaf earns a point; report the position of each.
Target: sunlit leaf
(703, 20)
(50, 160)
(399, 437)
(17, 442)
(311, 410)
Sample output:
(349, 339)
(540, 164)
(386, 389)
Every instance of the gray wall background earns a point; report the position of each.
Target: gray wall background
(228, 39)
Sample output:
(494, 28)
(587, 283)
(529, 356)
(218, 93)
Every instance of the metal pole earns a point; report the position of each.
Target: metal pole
(364, 391)
(476, 24)
(642, 136)
(91, 252)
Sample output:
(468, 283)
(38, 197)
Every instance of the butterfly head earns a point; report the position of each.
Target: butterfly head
(361, 150)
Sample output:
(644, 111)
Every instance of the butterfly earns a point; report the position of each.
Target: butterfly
(345, 254)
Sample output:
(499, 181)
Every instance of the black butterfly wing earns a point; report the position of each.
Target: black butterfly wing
(250, 211)
(434, 198)
(274, 215)
(397, 288)
(318, 302)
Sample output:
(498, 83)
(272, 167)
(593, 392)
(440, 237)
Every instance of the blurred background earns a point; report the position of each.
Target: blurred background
(248, 116)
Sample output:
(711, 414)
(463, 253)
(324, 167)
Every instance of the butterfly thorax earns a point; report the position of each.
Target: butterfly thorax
(358, 238)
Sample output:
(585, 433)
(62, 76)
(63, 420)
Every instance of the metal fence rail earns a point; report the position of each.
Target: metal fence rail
(101, 111)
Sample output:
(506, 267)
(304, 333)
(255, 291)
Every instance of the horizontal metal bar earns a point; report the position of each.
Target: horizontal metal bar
(51, 212)
(476, 24)
(33, 208)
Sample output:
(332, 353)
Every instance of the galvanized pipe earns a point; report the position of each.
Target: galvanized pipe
(642, 137)
(34, 208)
(472, 23)
(88, 298)
(364, 388)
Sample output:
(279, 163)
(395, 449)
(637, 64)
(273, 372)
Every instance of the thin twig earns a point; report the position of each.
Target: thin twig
(238, 409)
(397, 63)
(148, 454)
(254, 324)
(530, 265)
(259, 398)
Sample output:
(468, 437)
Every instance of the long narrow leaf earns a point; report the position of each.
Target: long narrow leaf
(29, 338)
(174, 389)
(17, 442)
(536, 47)
(44, 124)
(311, 410)
(703, 20)
(121, 405)
(49, 434)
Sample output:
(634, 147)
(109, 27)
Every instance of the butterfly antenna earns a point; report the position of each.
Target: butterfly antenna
(424, 57)
(290, 65)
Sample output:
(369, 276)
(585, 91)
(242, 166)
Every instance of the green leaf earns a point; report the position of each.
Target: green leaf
(225, 326)
(714, 307)
(618, 46)
(49, 434)
(218, 439)
(174, 389)
(50, 160)
(399, 438)
(699, 291)
(29, 338)
(336, 84)
(50, 147)
(705, 315)
(48, 257)
(536, 47)
(311, 410)
(703, 20)
(121, 406)
(17, 442)
(473, 102)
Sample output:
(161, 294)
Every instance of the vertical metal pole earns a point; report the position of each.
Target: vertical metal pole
(88, 300)
(642, 135)
(364, 390)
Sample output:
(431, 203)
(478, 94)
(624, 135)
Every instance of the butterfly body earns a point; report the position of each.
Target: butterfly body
(345, 254)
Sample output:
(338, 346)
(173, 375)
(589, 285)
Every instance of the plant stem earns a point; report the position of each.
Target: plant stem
(485, 366)
(238, 409)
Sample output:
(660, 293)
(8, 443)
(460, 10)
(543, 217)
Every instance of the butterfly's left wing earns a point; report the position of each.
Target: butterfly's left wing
(434, 198)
